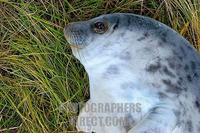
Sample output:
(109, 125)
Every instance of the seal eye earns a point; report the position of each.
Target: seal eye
(100, 27)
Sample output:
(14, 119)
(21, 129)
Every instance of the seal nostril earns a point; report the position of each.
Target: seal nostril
(67, 27)
(75, 34)
(65, 31)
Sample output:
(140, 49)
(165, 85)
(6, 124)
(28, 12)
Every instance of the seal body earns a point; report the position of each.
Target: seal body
(135, 59)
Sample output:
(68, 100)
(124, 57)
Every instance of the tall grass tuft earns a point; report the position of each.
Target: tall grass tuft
(39, 75)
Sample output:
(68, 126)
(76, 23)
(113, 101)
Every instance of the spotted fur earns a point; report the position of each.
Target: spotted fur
(139, 60)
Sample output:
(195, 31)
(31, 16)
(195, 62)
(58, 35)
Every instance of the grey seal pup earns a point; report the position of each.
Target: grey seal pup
(135, 59)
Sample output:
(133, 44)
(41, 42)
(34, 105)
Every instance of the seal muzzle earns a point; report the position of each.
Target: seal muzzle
(76, 34)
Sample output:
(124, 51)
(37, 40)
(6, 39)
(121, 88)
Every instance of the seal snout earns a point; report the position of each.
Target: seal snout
(76, 33)
(68, 31)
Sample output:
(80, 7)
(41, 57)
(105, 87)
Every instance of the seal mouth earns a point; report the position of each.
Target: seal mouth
(75, 36)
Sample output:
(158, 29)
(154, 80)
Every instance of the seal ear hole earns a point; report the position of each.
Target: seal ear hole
(100, 27)
(115, 26)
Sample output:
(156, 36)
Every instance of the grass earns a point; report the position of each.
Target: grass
(38, 74)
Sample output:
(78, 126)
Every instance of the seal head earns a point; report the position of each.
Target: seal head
(107, 34)
(81, 34)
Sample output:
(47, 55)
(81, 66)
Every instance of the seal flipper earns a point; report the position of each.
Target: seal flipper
(160, 119)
